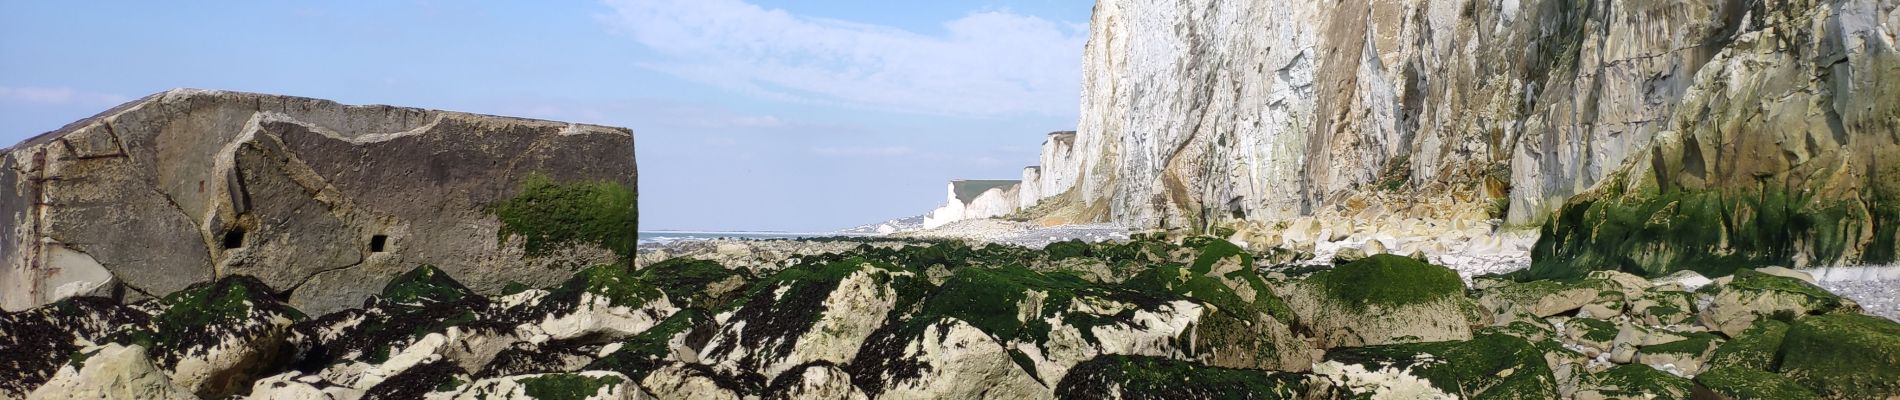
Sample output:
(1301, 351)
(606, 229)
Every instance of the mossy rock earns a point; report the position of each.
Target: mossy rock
(651, 349)
(1592, 332)
(1489, 366)
(1751, 295)
(1545, 298)
(696, 283)
(1138, 377)
(1756, 348)
(420, 380)
(1844, 355)
(618, 284)
(1388, 281)
(552, 216)
(1635, 224)
(207, 313)
(1738, 383)
(567, 386)
(425, 284)
(1637, 381)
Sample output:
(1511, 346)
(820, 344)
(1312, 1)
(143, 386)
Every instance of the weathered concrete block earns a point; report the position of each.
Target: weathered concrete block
(321, 201)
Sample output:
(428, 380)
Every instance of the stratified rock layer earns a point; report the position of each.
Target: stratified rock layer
(321, 200)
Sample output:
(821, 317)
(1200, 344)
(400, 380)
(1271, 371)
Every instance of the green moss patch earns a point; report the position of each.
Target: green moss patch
(1730, 382)
(550, 216)
(1844, 355)
(685, 281)
(425, 284)
(1756, 348)
(1652, 232)
(648, 351)
(1817, 299)
(566, 386)
(1388, 281)
(1489, 366)
(1695, 344)
(1138, 377)
(1596, 330)
(204, 314)
(1637, 381)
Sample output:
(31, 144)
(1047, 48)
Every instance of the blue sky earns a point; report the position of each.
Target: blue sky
(754, 115)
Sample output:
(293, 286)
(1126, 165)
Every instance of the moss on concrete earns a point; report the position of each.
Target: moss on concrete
(1844, 355)
(550, 216)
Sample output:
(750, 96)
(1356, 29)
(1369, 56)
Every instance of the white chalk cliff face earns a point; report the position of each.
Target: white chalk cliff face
(976, 199)
(1199, 113)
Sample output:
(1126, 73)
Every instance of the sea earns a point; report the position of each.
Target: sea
(664, 237)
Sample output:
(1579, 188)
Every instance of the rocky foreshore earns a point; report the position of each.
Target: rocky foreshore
(1144, 317)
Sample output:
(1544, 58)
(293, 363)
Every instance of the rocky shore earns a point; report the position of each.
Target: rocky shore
(1149, 316)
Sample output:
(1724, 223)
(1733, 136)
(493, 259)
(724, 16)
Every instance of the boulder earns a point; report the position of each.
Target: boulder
(1137, 377)
(1685, 357)
(1634, 381)
(214, 338)
(111, 371)
(35, 343)
(321, 200)
(1739, 383)
(1382, 299)
(1752, 295)
(1756, 348)
(1490, 365)
(590, 385)
(1844, 356)
(816, 380)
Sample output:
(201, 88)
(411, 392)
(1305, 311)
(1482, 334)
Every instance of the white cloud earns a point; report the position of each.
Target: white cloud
(987, 63)
(858, 151)
(59, 96)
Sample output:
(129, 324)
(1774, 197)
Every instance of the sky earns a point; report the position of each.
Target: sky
(799, 116)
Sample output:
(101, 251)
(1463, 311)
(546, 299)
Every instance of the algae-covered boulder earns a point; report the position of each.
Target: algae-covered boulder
(1382, 299)
(1686, 357)
(214, 338)
(1756, 348)
(1846, 356)
(111, 371)
(1489, 366)
(1246, 325)
(1544, 298)
(590, 385)
(815, 380)
(1634, 381)
(1751, 295)
(1137, 377)
(817, 312)
(1738, 383)
(34, 343)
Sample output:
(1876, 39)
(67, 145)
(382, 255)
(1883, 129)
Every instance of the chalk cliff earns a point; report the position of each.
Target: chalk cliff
(1739, 119)
(319, 200)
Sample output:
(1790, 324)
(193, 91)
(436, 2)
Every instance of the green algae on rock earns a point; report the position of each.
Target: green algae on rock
(1730, 382)
(1844, 355)
(1757, 348)
(1637, 381)
(1489, 366)
(1137, 377)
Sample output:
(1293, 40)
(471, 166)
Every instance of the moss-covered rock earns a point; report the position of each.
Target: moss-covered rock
(1689, 355)
(425, 284)
(214, 337)
(1489, 366)
(1756, 348)
(1844, 355)
(1635, 381)
(1381, 300)
(1738, 383)
(696, 283)
(1545, 298)
(809, 313)
(1135, 377)
(1751, 295)
(34, 343)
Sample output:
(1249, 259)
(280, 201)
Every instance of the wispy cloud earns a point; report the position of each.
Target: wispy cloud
(59, 96)
(986, 64)
(861, 151)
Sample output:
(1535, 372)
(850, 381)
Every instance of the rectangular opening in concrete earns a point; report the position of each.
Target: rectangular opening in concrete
(234, 238)
(377, 243)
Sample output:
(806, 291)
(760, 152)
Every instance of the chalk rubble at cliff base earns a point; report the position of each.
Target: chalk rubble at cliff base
(1147, 317)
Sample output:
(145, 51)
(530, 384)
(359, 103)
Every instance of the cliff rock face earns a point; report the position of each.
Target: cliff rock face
(973, 199)
(321, 201)
(1199, 113)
